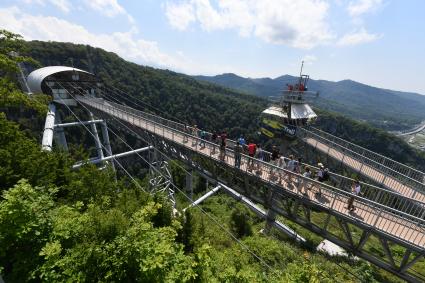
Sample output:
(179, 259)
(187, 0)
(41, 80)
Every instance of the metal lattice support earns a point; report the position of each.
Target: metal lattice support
(376, 217)
(160, 178)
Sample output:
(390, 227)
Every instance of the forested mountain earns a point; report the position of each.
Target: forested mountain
(210, 106)
(387, 109)
(58, 224)
(64, 225)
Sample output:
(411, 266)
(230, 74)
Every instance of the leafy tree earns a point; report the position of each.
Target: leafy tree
(24, 229)
(240, 221)
(10, 96)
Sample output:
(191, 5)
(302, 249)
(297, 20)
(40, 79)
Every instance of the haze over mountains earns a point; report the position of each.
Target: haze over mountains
(387, 109)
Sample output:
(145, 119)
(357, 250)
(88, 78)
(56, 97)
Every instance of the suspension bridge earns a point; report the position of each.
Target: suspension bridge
(390, 212)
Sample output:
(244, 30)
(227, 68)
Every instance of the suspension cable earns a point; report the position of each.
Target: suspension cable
(113, 158)
(184, 194)
(147, 104)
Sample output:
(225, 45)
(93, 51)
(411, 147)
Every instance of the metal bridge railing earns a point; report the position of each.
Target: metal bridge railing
(380, 195)
(387, 219)
(395, 176)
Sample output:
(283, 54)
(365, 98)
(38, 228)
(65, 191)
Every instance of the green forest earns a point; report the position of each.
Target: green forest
(59, 224)
(212, 107)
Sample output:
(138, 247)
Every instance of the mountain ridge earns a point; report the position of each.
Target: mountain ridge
(357, 100)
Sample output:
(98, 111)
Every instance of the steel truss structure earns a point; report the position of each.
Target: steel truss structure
(320, 216)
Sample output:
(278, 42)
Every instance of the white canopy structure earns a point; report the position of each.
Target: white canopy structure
(38, 77)
(298, 111)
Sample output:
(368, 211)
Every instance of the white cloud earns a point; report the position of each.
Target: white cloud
(309, 59)
(360, 7)
(301, 24)
(109, 8)
(126, 44)
(63, 5)
(357, 37)
(179, 16)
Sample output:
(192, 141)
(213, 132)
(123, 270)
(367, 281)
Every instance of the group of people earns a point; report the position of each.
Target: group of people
(292, 164)
(258, 155)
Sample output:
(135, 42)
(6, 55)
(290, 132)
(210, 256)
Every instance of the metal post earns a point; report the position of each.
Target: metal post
(105, 138)
(47, 141)
(96, 137)
(189, 183)
(59, 133)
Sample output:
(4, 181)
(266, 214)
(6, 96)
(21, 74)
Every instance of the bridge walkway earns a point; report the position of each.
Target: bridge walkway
(395, 224)
(386, 172)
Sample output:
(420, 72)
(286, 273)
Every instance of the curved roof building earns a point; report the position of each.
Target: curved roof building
(37, 80)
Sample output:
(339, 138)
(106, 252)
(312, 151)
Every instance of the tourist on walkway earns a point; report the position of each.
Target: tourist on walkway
(274, 161)
(275, 155)
(185, 133)
(252, 148)
(259, 154)
(291, 167)
(195, 134)
(223, 138)
(305, 183)
(214, 140)
(203, 135)
(355, 190)
(242, 141)
(282, 165)
(238, 152)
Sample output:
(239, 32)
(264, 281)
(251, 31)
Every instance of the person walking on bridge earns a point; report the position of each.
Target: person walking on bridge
(214, 140)
(238, 151)
(223, 138)
(194, 134)
(305, 183)
(203, 136)
(355, 190)
(252, 148)
(185, 133)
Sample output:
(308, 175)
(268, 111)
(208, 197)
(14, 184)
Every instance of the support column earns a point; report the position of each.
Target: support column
(96, 137)
(189, 183)
(271, 215)
(47, 141)
(59, 133)
(106, 142)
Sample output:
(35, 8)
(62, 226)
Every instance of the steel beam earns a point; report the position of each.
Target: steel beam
(204, 197)
(119, 155)
(96, 138)
(64, 125)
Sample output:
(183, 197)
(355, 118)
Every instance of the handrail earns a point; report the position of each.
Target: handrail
(407, 217)
(397, 173)
(365, 185)
(368, 150)
(414, 206)
(303, 164)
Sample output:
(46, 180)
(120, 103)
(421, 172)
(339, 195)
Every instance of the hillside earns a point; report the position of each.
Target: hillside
(359, 101)
(210, 106)
(86, 225)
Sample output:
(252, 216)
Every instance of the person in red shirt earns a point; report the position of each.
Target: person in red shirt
(252, 148)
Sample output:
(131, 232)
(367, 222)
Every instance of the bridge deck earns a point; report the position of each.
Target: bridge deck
(368, 171)
(371, 214)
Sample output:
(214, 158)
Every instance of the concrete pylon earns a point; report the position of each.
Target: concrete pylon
(49, 125)
(59, 133)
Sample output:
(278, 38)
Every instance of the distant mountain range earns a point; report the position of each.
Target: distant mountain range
(387, 109)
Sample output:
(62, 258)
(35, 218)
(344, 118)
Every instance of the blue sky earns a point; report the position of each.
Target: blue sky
(377, 42)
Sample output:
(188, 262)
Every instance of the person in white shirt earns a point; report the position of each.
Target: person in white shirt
(291, 166)
(281, 164)
(305, 183)
(355, 190)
